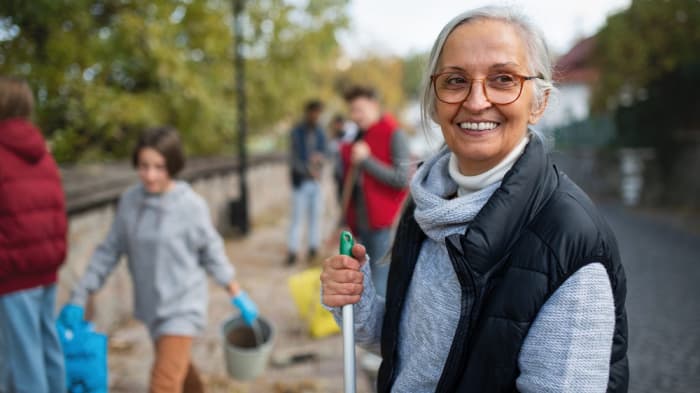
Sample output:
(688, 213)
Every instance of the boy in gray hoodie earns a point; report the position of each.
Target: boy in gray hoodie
(165, 230)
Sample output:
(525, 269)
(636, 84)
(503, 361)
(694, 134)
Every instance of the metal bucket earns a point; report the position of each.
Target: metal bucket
(246, 358)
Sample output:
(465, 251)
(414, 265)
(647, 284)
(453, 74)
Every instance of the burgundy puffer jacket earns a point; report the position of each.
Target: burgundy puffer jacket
(33, 223)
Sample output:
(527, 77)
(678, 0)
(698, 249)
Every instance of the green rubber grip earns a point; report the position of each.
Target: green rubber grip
(346, 243)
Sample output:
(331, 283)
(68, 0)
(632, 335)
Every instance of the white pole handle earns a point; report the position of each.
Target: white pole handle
(349, 348)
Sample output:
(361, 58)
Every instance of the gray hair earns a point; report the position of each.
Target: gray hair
(539, 59)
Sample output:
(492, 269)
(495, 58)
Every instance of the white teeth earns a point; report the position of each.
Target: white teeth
(481, 126)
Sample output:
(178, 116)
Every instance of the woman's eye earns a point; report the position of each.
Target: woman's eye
(502, 78)
(456, 80)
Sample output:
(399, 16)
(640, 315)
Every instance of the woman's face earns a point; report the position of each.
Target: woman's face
(476, 50)
(153, 172)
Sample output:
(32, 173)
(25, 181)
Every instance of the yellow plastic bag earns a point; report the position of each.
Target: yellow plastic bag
(306, 292)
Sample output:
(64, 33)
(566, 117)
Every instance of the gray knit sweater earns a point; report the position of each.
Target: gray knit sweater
(569, 344)
(171, 245)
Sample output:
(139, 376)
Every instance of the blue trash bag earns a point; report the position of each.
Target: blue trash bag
(85, 354)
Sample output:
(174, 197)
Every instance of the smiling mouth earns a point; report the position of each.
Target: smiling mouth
(478, 126)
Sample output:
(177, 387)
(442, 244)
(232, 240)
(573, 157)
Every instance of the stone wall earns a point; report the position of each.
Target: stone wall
(92, 193)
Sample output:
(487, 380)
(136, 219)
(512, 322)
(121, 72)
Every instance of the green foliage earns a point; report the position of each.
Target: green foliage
(649, 79)
(385, 74)
(103, 70)
(414, 66)
(641, 44)
(293, 56)
(668, 118)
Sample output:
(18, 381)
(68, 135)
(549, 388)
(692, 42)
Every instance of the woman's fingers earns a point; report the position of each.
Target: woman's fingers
(341, 276)
(351, 289)
(342, 280)
(339, 300)
(359, 252)
(340, 262)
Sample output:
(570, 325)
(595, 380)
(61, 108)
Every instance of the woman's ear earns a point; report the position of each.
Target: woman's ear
(537, 112)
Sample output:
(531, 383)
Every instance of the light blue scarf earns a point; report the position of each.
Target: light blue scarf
(439, 212)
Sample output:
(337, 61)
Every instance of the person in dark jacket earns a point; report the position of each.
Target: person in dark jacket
(504, 276)
(33, 233)
(307, 154)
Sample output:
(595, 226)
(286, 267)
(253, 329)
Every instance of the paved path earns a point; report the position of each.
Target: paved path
(662, 263)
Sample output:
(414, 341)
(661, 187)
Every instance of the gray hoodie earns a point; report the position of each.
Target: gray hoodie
(170, 244)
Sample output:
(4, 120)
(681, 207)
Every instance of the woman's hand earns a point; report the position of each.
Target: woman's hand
(341, 278)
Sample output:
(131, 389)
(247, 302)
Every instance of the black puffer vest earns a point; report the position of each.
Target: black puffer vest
(536, 231)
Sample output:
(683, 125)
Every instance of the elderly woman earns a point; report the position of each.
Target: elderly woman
(504, 276)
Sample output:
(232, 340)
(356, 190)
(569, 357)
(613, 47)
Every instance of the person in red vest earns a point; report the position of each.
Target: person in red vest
(377, 164)
(33, 232)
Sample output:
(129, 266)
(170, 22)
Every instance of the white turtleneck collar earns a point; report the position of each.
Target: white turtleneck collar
(470, 184)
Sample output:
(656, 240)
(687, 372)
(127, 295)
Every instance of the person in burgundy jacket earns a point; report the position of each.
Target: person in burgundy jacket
(33, 231)
(378, 162)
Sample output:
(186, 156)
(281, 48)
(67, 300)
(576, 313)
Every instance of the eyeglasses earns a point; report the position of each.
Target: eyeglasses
(501, 89)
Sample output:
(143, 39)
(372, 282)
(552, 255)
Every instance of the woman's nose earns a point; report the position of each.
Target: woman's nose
(476, 100)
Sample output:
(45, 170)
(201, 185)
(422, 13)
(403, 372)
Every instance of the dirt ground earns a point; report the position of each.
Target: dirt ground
(260, 263)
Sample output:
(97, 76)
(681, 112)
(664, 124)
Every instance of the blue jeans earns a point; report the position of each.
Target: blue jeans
(307, 201)
(32, 355)
(377, 242)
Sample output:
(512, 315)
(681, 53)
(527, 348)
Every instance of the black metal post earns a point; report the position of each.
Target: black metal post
(239, 209)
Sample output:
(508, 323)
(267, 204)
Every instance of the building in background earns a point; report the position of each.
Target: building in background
(574, 77)
(568, 119)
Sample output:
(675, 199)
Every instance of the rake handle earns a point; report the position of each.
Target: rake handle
(350, 374)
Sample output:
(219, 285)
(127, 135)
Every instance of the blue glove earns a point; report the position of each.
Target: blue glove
(249, 310)
(71, 316)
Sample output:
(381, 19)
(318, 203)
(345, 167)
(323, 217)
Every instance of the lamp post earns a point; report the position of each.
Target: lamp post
(239, 208)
